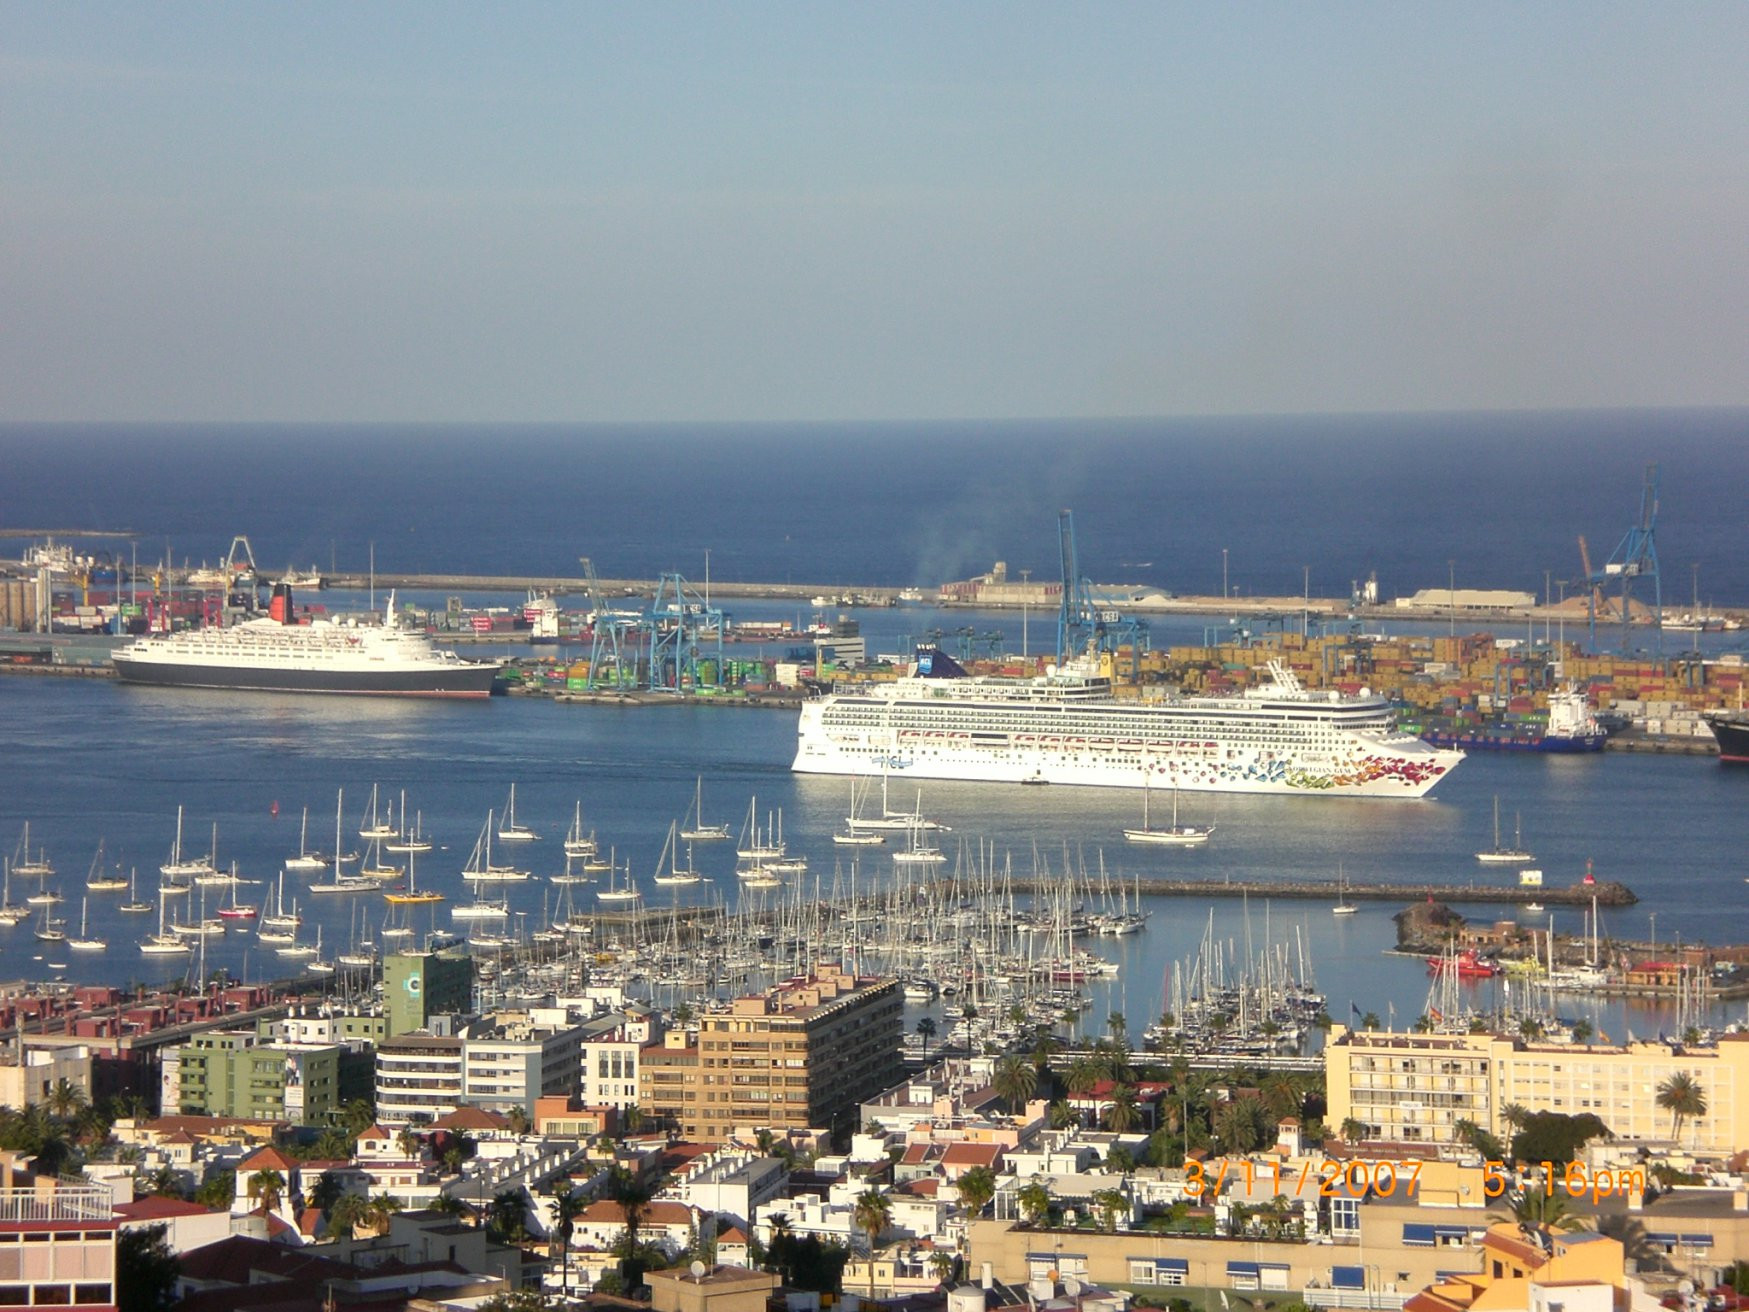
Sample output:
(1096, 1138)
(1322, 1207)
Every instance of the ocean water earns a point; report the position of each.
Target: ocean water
(1503, 496)
(1490, 500)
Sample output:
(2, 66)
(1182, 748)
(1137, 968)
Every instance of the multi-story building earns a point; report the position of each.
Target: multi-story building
(420, 985)
(419, 1077)
(250, 1076)
(800, 1055)
(57, 1241)
(509, 1062)
(1414, 1088)
(610, 1069)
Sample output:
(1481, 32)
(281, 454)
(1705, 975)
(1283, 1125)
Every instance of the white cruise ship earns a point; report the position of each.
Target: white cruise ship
(1067, 728)
(278, 654)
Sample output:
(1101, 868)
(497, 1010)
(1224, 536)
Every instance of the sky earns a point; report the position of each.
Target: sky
(570, 212)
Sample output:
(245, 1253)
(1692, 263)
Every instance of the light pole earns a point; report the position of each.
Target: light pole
(1025, 608)
(1451, 594)
(1223, 573)
(1306, 604)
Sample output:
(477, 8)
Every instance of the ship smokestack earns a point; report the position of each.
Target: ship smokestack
(280, 607)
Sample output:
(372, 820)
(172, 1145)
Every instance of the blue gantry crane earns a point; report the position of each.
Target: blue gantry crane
(1636, 557)
(1083, 627)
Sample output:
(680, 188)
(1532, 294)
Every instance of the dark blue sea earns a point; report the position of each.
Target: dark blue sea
(1492, 500)
(1498, 499)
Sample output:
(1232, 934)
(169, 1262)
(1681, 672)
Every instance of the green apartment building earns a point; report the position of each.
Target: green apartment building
(420, 985)
(237, 1073)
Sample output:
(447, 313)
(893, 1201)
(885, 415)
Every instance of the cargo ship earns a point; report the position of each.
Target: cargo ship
(276, 653)
(1731, 728)
(1571, 727)
(1068, 727)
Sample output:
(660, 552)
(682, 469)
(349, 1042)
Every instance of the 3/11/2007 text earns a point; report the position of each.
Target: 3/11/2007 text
(1385, 1178)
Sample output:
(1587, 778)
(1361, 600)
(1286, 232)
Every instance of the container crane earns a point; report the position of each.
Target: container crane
(1081, 627)
(1635, 557)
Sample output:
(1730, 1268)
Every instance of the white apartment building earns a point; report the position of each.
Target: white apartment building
(419, 1078)
(507, 1065)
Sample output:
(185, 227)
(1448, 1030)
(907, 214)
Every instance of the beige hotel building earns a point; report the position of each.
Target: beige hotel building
(1413, 1088)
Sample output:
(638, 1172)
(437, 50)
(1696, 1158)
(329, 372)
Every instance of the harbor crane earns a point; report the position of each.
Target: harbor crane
(1081, 626)
(1635, 557)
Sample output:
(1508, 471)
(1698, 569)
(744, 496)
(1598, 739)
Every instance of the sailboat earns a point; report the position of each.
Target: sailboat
(577, 843)
(1343, 906)
(891, 819)
(374, 868)
(178, 867)
(341, 882)
(280, 922)
(163, 943)
(919, 851)
(41, 868)
(235, 910)
(851, 836)
(10, 912)
(373, 826)
(618, 891)
(305, 859)
(412, 840)
(668, 871)
(755, 846)
(480, 870)
(700, 832)
(98, 882)
(511, 831)
(481, 908)
(1175, 834)
(133, 906)
(411, 895)
(1505, 856)
(85, 943)
(51, 929)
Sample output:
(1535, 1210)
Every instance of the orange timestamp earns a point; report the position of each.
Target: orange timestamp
(1577, 1179)
(1358, 1177)
(1326, 1179)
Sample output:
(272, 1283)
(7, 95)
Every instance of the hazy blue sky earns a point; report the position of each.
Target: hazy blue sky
(768, 211)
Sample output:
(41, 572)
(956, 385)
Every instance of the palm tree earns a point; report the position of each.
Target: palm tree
(1352, 1131)
(410, 1143)
(567, 1207)
(1015, 1081)
(1281, 1094)
(872, 1212)
(1543, 1209)
(1682, 1096)
(976, 1188)
(1034, 1200)
(1124, 1110)
(506, 1216)
(349, 1212)
(268, 1187)
(358, 1116)
(633, 1196)
(1370, 1021)
(382, 1207)
(517, 1119)
(66, 1099)
(1081, 1076)
(926, 1029)
(1060, 1115)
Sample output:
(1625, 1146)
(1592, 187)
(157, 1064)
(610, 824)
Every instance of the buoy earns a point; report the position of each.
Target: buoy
(274, 809)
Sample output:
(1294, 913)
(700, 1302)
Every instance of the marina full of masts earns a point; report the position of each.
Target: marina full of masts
(996, 963)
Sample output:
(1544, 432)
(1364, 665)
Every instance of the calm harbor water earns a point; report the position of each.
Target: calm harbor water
(91, 759)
